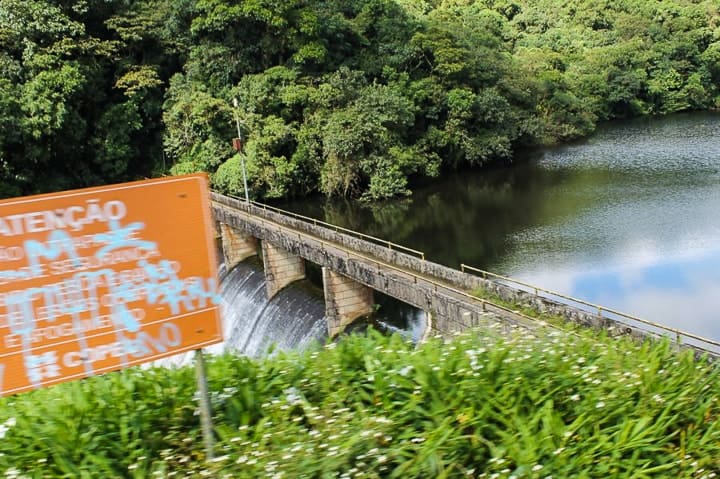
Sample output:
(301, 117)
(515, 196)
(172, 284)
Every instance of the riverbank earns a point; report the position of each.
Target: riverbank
(478, 405)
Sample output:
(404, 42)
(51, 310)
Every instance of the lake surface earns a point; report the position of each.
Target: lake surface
(629, 218)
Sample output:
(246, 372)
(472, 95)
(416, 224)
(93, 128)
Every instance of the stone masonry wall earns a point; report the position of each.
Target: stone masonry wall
(345, 300)
(281, 268)
(450, 312)
(236, 245)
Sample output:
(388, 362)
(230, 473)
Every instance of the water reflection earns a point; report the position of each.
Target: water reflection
(682, 292)
(645, 240)
(626, 219)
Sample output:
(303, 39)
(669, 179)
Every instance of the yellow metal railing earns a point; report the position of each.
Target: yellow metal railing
(601, 311)
(316, 222)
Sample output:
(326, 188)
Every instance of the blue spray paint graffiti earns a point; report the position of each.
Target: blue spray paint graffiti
(118, 237)
(59, 242)
(42, 366)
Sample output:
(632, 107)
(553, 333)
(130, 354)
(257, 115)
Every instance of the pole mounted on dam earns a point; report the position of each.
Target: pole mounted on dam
(238, 144)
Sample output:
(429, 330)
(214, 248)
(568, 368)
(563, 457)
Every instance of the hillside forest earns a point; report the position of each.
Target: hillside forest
(356, 98)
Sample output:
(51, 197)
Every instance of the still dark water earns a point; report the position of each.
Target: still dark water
(629, 218)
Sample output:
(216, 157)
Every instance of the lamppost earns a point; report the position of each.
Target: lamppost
(238, 147)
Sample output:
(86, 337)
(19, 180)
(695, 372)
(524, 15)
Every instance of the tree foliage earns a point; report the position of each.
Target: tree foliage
(353, 98)
(80, 101)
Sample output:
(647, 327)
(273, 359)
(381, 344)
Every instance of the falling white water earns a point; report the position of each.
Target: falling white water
(293, 319)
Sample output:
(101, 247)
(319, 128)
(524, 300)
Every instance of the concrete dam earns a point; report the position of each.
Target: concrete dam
(355, 265)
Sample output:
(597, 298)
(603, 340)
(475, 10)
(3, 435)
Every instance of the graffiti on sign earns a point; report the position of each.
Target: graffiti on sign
(99, 279)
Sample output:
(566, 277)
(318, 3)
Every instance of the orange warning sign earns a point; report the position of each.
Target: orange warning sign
(99, 279)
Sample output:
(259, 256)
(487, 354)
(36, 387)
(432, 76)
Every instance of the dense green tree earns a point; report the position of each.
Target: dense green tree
(354, 98)
(80, 100)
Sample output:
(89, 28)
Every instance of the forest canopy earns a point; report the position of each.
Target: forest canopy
(351, 97)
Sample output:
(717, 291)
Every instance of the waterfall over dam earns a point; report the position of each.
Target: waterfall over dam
(252, 324)
(293, 319)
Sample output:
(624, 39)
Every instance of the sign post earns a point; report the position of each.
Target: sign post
(205, 411)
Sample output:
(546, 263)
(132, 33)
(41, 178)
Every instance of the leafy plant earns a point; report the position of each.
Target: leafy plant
(482, 404)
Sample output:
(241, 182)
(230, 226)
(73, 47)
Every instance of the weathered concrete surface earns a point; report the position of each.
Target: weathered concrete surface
(436, 289)
(281, 268)
(451, 309)
(237, 246)
(345, 301)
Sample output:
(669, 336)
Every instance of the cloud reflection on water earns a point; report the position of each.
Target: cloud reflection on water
(681, 291)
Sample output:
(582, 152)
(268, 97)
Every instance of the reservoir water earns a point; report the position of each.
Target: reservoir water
(628, 218)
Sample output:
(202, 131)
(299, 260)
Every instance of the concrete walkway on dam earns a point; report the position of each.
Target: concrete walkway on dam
(434, 295)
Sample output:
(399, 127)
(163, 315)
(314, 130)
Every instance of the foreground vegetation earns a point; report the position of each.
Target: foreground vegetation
(343, 97)
(370, 407)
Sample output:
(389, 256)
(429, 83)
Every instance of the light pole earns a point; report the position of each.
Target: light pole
(238, 148)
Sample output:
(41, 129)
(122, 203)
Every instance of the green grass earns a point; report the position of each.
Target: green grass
(525, 309)
(480, 405)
